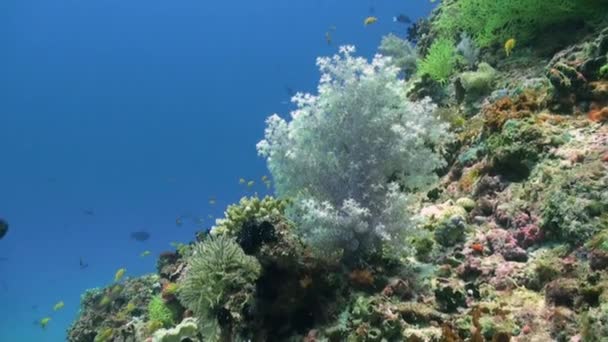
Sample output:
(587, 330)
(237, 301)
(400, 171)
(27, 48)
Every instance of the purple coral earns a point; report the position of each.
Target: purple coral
(528, 232)
(503, 242)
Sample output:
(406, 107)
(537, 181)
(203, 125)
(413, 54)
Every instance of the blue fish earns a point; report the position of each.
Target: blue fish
(3, 228)
(402, 18)
(140, 236)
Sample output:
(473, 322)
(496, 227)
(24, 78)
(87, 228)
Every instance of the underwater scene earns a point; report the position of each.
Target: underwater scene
(304, 170)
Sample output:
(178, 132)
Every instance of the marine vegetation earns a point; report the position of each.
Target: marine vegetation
(159, 311)
(491, 22)
(440, 61)
(218, 285)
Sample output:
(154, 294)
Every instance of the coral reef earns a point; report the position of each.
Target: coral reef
(482, 217)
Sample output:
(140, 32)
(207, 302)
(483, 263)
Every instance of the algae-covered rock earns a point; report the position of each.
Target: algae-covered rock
(517, 148)
(571, 70)
(110, 310)
(438, 213)
(450, 295)
(575, 205)
(467, 203)
(477, 83)
(594, 324)
(494, 326)
(562, 291)
(451, 231)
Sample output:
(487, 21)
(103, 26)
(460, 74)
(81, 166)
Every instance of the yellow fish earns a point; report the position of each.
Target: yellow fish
(105, 300)
(116, 290)
(130, 307)
(242, 181)
(44, 322)
(370, 20)
(250, 184)
(58, 306)
(509, 46)
(145, 254)
(119, 274)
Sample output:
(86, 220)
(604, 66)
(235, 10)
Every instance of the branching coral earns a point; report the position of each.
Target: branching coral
(467, 50)
(251, 222)
(402, 53)
(350, 155)
(248, 208)
(219, 284)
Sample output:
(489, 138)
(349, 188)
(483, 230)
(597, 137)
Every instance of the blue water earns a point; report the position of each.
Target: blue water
(121, 115)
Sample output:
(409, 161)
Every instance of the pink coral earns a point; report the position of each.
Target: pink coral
(504, 243)
(528, 230)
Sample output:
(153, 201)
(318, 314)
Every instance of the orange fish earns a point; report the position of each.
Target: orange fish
(477, 247)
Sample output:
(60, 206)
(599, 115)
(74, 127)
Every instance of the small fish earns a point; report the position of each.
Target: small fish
(402, 19)
(105, 300)
(119, 274)
(509, 46)
(88, 212)
(477, 247)
(370, 20)
(3, 228)
(145, 253)
(210, 216)
(179, 222)
(212, 200)
(82, 264)
(58, 306)
(130, 307)
(264, 178)
(289, 91)
(140, 236)
(250, 184)
(44, 322)
(242, 181)
(328, 38)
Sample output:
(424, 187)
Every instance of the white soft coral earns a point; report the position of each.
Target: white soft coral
(348, 153)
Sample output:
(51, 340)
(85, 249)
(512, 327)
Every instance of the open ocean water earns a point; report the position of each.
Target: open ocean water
(141, 116)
